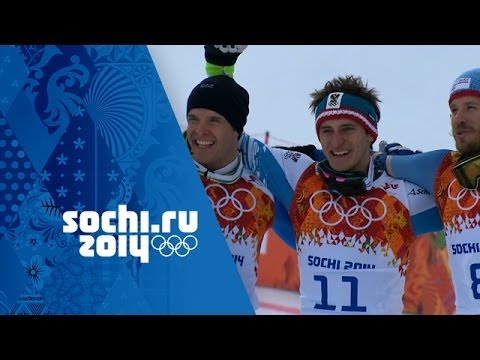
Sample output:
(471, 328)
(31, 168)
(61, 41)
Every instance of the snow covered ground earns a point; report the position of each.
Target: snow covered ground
(278, 301)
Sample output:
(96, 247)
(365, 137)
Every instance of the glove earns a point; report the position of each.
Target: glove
(223, 55)
(396, 149)
(308, 150)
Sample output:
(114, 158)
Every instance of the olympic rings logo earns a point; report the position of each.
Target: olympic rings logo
(350, 212)
(173, 244)
(461, 194)
(231, 198)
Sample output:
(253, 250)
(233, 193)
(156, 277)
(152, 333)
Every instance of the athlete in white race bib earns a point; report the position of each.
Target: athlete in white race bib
(453, 177)
(217, 110)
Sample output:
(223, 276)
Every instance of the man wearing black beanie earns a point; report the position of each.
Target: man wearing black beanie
(217, 111)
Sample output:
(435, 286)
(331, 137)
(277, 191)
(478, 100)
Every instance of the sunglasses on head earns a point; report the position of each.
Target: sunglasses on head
(346, 183)
(467, 172)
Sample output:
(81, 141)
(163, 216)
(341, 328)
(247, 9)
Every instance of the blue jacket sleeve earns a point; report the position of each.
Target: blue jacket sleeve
(419, 169)
(283, 227)
(427, 221)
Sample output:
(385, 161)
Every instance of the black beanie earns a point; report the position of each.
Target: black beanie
(223, 95)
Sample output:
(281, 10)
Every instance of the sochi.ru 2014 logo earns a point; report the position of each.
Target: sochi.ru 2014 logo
(129, 235)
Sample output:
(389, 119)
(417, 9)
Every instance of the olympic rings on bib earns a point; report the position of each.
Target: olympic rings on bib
(231, 198)
(346, 214)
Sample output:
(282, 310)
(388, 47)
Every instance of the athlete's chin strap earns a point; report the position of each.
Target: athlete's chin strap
(226, 175)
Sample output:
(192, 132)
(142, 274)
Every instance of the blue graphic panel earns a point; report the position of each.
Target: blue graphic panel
(12, 278)
(94, 180)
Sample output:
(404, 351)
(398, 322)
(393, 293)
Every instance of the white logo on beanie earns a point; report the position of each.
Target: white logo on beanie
(207, 85)
(461, 84)
(334, 100)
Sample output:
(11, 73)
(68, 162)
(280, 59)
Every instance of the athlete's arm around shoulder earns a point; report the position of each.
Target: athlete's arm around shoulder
(261, 158)
(419, 169)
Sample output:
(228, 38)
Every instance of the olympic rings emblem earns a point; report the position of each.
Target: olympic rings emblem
(461, 194)
(227, 198)
(168, 247)
(350, 212)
